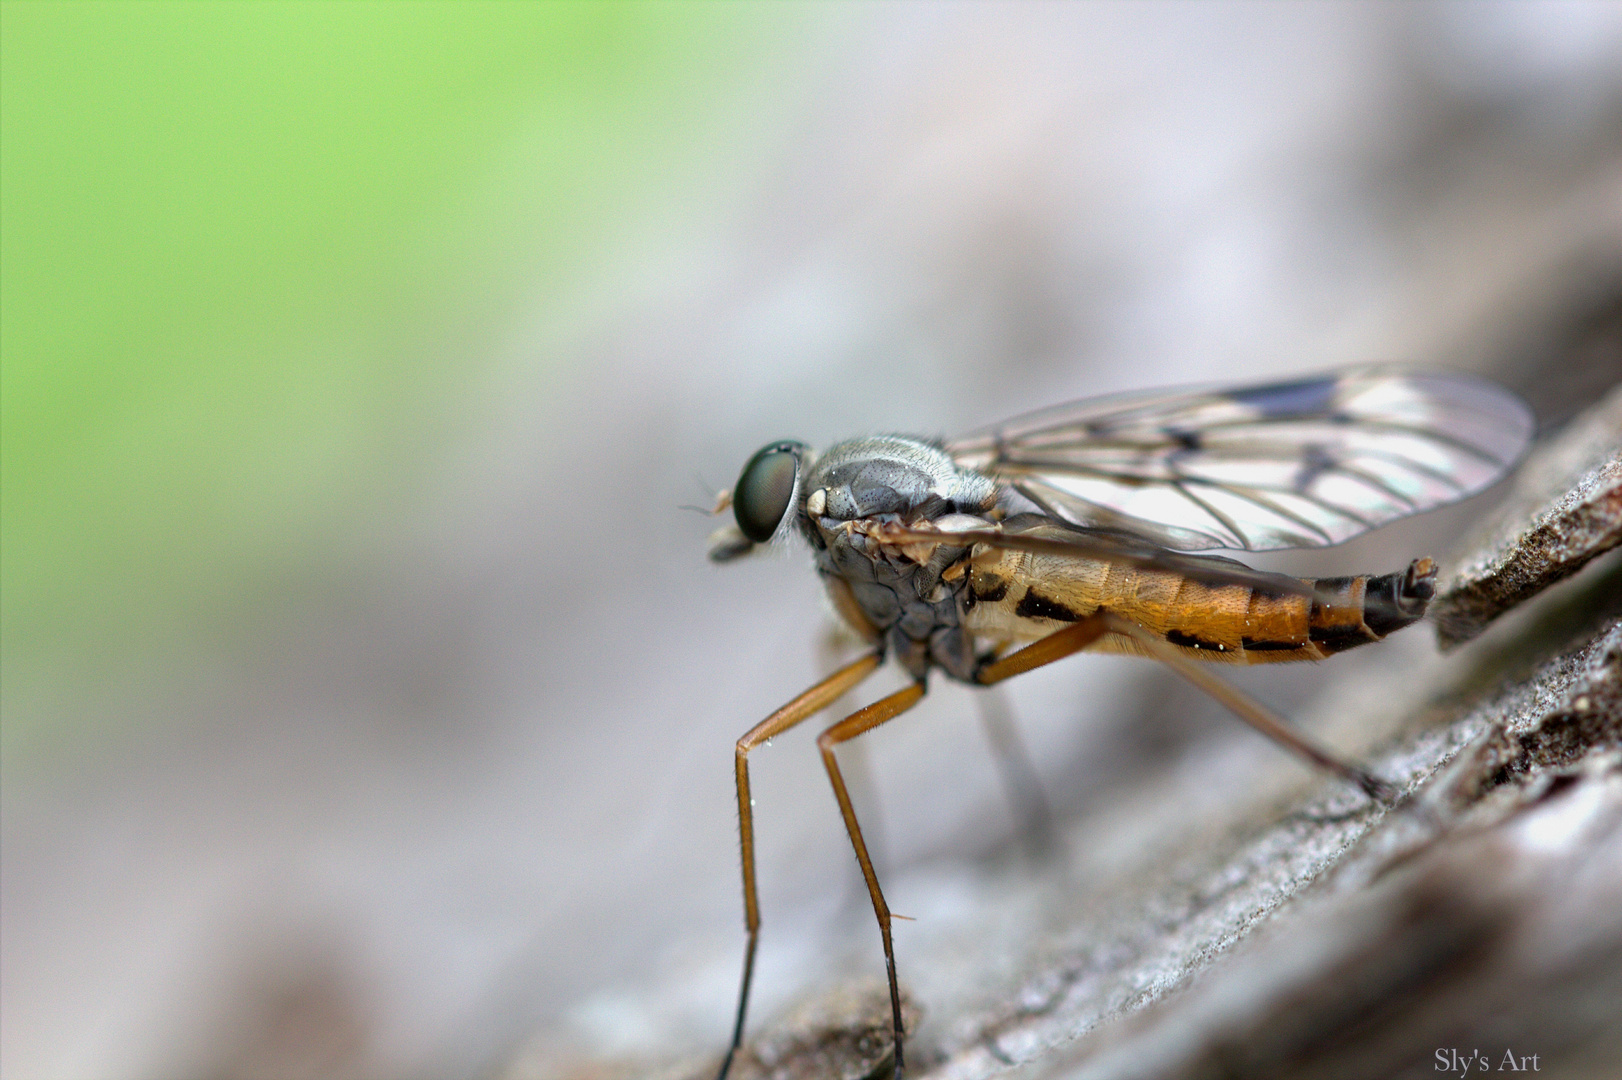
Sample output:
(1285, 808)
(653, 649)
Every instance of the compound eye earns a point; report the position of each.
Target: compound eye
(765, 488)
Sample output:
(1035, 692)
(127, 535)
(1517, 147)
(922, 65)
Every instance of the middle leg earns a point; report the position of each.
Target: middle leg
(866, 720)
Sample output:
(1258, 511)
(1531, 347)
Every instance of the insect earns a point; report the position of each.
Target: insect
(1075, 528)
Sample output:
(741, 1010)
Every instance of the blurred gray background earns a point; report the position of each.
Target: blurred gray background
(463, 774)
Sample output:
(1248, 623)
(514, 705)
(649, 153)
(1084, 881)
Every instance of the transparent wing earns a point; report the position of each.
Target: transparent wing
(1304, 463)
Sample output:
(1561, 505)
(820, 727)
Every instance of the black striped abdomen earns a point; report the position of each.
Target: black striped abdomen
(1017, 597)
(1347, 612)
(1340, 614)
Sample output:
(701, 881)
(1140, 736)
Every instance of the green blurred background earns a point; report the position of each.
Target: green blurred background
(255, 255)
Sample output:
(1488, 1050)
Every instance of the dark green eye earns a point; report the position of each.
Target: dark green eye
(764, 489)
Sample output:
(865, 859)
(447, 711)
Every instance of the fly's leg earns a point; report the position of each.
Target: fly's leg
(862, 721)
(858, 773)
(1254, 712)
(835, 643)
(1021, 782)
(1082, 633)
(1056, 646)
(1085, 631)
(805, 706)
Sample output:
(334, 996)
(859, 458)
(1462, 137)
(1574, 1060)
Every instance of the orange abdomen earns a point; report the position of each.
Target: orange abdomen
(1244, 625)
(1023, 597)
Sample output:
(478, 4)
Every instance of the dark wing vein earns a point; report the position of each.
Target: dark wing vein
(1370, 480)
(1252, 494)
(1181, 487)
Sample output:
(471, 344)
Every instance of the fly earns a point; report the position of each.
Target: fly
(1079, 527)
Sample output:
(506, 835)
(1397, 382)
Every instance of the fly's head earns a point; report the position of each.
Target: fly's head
(861, 483)
(766, 502)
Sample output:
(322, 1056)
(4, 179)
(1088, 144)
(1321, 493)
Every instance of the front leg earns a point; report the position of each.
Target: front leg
(807, 705)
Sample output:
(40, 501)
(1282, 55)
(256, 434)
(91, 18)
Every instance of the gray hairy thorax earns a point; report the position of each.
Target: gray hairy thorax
(897, 478)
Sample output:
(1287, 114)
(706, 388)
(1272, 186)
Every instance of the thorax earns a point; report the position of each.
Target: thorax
(896, 594)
